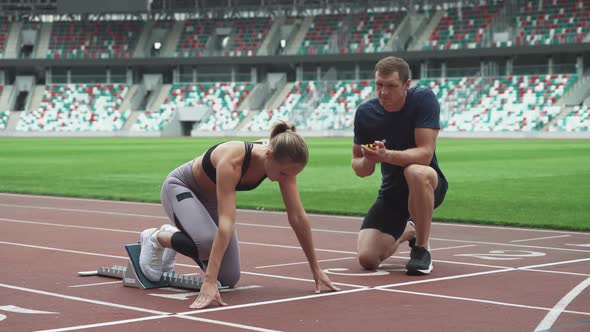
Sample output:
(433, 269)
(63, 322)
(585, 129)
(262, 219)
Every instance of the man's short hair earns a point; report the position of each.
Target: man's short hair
(393, 64)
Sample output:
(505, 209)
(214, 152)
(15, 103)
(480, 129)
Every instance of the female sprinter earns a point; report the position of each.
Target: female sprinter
(199, 197)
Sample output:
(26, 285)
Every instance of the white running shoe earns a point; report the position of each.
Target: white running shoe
(150, 258)
(169, 257)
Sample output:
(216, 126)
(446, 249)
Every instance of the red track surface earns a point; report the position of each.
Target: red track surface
(484, 279)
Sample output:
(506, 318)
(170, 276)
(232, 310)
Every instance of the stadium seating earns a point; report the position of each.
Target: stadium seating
(575, 121)
(337, 104)
(4, 119)
(264, 119)
(323, 29)
(93, 39)
(3, 115)
(246, 36)
(546, 22)
(463, 27)
(373, 32)
(223, 99)
(315, 105)
(4, 30)
(77, 107)
(511, 103)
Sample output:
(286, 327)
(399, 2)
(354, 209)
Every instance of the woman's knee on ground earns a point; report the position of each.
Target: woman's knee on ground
(229, 277)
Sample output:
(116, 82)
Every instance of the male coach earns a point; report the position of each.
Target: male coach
(398, 129)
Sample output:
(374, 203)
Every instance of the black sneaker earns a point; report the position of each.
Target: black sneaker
(420, 262)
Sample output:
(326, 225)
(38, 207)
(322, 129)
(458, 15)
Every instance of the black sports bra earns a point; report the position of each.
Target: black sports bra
(212, 174)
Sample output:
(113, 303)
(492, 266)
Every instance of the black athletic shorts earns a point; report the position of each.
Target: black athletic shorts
(391, 215)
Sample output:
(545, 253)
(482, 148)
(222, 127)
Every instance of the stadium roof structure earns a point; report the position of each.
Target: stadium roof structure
(222, 7)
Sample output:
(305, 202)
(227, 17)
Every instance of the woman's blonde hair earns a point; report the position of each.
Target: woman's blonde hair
(287, 145)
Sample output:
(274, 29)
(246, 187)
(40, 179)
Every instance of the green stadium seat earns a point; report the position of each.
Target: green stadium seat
(77, 107)
(93, 39)
(222, 98)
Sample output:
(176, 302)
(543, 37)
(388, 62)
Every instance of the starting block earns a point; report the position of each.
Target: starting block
(132, 276)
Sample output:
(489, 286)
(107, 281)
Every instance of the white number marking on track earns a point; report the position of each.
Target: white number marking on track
(505, 255)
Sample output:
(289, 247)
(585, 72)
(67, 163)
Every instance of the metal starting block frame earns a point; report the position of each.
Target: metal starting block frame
(132, 276)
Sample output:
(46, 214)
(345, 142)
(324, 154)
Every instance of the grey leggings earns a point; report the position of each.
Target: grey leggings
(195, 214)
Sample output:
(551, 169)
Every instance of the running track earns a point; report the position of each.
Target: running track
(485, 278)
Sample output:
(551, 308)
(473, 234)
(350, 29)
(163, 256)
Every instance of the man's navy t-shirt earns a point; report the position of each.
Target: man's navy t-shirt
(373, 123)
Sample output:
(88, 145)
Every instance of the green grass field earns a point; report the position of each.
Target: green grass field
(535, 183)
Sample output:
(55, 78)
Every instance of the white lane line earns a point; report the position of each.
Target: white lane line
(62, 250)
(19, 310)
(330, 231)
(249, 243)
(583, 245)
(239, 326)
(81, 299)
(117, 322)
(291, 299)
(296, 247)
(510, 245)
(185, 265)
(300, 279)
(305, 262)
(449, 248)
(459, 276)
(558, 272)
(556, 263)
(289, 228)
(85, 211)
(556, 311)
(541, 238)
(77, 199)
(327, 216)
(468, 299)
(345, 258)
(135, 320)
(96, 284)
(516, 229)
(69, 226)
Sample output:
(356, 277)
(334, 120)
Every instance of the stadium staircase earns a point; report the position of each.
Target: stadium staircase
(225, 99)
(278, 108)
(43, 40)
(574, 111)
(573, 119)
(173, 39)
(425, 34)
(272, 38)
(12, 31)
(295, 45)
(13, 120)
(5, 97)
(36, 97)
(141, 46)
